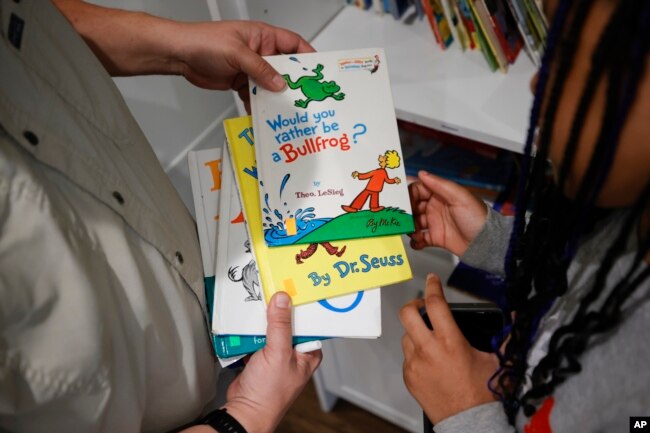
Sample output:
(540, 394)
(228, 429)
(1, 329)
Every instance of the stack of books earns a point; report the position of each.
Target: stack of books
(309, 197)
(497, 28)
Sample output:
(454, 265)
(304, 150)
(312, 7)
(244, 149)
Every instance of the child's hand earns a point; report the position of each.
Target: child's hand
(446, 214)
(441, 370)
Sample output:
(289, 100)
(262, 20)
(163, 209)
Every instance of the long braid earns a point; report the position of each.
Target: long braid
(539, 256)
(524, 260)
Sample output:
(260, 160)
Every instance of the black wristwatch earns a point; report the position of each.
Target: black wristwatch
(223, 422)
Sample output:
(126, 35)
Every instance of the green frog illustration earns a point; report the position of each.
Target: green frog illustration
(313, 88)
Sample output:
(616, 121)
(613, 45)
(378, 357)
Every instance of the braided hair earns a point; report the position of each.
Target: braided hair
(541, 249)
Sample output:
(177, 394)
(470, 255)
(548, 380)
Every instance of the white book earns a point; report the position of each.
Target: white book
(205, 168)
(205, 178)
(239, 306)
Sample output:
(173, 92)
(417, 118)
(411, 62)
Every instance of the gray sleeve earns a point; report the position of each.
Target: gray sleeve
(486, 418)
(488, 251)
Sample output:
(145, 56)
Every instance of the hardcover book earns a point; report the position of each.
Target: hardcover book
(439, 24)
(320, 270)
(205, 179)
(328, 150)
(206, 182)
(239, 308)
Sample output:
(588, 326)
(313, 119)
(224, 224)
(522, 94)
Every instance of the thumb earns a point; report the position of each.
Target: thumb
(278, 328)
(440, 315)
(445, 189)
(253, 65)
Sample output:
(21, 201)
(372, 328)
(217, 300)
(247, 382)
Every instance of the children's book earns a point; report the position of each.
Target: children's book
(505, 28)
(239, 308)
(486, 47)
(488, 29)
(465, 14)
(531, 46)
(205, 179)
(320, 270)
(438, 21)
(452, 15)
(328, 150)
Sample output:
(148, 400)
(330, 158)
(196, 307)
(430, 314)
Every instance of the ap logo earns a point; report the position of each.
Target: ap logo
(640, 424)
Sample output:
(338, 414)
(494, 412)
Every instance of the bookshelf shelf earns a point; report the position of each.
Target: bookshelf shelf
(451, 91)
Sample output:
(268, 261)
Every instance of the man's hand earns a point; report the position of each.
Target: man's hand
(222, 55)
(217, 55)
(273, 378)
(441, 370)
(446, 214)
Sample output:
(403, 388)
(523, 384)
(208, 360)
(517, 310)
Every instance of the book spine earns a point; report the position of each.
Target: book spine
(522, 25)
(466, 16)
(485, 23)
(428, 10)
(199, 210)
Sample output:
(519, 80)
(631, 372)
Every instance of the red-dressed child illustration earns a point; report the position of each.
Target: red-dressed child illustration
(377, 179)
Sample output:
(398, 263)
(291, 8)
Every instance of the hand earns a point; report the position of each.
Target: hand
(446, 214)
(217, 55)
(398, 180)
(274, 376)
(221, 55)
(355, 174)
(441, 370)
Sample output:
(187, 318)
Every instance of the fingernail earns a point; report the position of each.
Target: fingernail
(282, 300)
(279, 82)
(430, 276)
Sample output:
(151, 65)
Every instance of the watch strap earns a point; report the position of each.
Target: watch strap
(223, 422)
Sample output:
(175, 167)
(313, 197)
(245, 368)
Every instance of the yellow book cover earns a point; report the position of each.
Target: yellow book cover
(309, 273)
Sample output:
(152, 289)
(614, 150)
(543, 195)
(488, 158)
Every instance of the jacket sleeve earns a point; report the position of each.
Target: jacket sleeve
(488, 250)
(486, 418)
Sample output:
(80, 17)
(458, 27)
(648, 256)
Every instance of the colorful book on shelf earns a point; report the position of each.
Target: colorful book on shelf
(486, 47)
(531, 45)
(321, 270)
(328, 150)
(482, 14)
(439, 24)
(505, 28)
(453, 17)
(239, 308)
(465, 14)
(537, 19)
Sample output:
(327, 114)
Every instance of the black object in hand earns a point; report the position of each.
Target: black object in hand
(479, 322)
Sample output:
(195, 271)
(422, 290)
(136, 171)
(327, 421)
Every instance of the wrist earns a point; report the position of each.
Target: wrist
(250, 416)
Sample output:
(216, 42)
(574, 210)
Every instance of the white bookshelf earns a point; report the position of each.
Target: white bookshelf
(451, 90)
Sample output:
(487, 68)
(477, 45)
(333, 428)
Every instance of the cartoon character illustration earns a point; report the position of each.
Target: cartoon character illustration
(375, 185)
(375, 64)
(249, 277)
(313, 88)
(311, 249)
